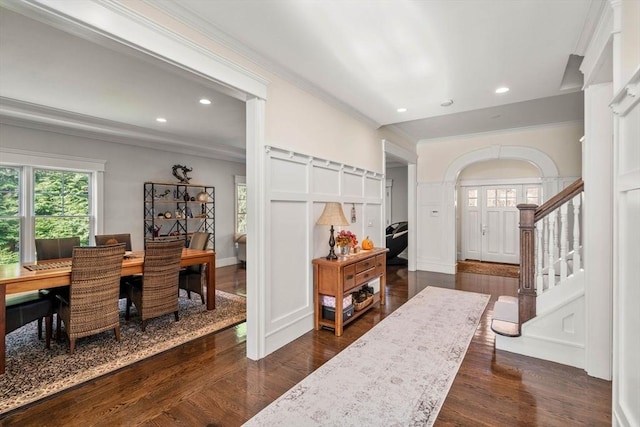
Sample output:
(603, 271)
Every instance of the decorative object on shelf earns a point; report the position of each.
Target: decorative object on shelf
(332, 215)
(363, 297)
(186, 196)
(155, 229)
(367, 244)
(182, 177)
(202, 197)
(353, 213)
(346, 241)
(167, 215)
(162, 195)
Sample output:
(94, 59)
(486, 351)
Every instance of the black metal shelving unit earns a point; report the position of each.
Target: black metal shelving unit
(179, 210)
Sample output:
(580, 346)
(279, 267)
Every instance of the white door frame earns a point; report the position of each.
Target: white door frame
(118, 27)
(411, 158)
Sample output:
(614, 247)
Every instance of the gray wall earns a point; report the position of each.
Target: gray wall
(127, 168)
(399, 193)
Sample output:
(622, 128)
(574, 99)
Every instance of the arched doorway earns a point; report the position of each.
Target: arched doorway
(549, 179)
(486, 214)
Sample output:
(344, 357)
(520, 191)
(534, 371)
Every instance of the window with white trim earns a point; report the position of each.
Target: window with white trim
(10, 214)
(241, 204)
(46, 196)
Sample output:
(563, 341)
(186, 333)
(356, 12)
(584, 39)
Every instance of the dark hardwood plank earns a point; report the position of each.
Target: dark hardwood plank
(210, 382)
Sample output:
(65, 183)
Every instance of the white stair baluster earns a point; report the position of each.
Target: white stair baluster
(539, 257)
(564, 241)
(576, 233)
(552, 249)
(556, 236)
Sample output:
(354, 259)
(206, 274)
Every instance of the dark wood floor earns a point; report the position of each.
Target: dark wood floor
(210, 382)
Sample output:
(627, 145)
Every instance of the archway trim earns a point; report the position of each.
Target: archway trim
(543, 162)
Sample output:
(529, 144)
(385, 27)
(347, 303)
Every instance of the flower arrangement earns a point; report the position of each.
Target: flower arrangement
(346, 238)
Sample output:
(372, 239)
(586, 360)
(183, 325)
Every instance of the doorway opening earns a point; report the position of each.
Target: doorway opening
(488, 218)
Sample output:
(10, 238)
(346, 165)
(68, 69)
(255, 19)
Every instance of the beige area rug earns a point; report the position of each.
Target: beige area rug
(33, 372)
(488, 268)
(397, 374)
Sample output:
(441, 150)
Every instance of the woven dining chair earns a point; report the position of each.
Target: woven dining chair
(110, 239)
(92, 306)
(56, 248)
(191, 278)
(155, 293)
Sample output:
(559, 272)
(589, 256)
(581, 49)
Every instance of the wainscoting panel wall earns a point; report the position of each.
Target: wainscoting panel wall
(297, 188)
(288, 245)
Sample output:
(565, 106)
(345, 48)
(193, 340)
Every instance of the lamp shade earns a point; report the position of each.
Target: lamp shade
(332, 215)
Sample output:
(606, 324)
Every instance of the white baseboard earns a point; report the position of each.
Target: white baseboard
(566, 353)
(436, 267)
(288, 333)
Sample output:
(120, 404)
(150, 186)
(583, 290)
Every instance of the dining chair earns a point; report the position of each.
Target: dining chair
(155, 293)
(92, 306)
(110, 239)
(55, 248)
(191, 278)
(24, 308)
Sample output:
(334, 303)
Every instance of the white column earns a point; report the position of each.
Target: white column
(256, 230)
(597, 229)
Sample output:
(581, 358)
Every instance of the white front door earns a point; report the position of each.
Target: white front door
(500, 220)
(490, 221)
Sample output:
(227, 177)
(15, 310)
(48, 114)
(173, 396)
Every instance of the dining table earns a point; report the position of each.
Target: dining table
(24, 277)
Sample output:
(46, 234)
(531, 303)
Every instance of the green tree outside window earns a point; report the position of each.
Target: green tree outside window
(9, 215)
(61, 204)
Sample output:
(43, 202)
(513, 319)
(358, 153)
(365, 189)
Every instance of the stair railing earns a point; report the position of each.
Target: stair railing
(549, 239)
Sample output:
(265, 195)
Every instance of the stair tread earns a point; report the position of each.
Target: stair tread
(507, 329)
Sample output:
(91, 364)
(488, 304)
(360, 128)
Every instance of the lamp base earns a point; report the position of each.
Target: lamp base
(332, 243)
(332, 254)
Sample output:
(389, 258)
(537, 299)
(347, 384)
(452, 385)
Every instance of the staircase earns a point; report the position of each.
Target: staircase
(547, 318)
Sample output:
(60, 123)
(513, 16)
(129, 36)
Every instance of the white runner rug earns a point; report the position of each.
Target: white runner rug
(397, 374)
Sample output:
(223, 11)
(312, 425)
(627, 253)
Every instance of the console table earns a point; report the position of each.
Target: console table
(340, 277)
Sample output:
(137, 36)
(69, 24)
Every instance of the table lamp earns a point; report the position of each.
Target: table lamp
(332, 215)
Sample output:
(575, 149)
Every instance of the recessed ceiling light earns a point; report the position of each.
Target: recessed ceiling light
(161, 120)
(205, 101)
(446, 103)
(401, 110)
(502, 89)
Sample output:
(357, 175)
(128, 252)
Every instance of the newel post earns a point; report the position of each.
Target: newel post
(526, 282)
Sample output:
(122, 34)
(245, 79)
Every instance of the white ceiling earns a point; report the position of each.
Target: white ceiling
(369, 58)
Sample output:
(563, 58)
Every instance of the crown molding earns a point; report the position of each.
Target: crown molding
(32, 116)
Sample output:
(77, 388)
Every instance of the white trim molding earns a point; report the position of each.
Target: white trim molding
(543, 162)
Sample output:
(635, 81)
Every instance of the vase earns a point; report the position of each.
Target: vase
(343, 250)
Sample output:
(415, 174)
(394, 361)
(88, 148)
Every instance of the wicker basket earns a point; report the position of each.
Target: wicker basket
(364, 304)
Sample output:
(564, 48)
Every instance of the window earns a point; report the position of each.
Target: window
(241, 205)
(61, 204)
(472, 197)
(9, 215)
(502, 197)
(43, 195)
(533, 195)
